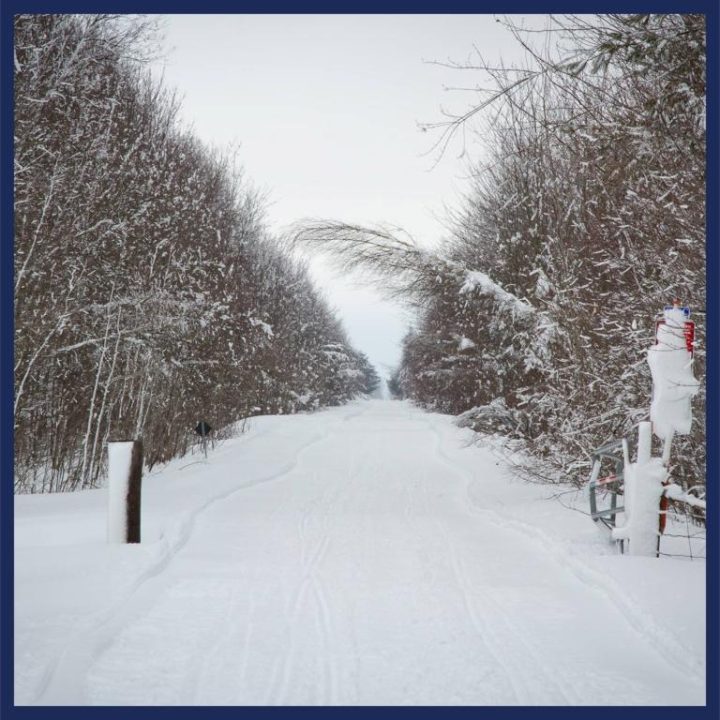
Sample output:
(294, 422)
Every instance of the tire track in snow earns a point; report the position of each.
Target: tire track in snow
(62, 680)
(649, 632)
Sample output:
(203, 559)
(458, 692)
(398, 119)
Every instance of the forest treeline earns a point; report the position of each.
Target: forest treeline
(585, 218)
(148, 293)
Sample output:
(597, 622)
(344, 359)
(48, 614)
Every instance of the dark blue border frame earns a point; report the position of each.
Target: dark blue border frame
(10, 7)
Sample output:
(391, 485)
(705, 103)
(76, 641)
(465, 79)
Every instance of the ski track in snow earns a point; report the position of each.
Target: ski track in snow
(61, 680)
(309, 587)
(318, 646)
(499, 636)
(492, 624)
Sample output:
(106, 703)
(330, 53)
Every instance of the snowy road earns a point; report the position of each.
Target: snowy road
(356, 556)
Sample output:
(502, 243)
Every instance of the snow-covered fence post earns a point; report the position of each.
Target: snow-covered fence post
(125, 461)
(674, 385)
(644, 481)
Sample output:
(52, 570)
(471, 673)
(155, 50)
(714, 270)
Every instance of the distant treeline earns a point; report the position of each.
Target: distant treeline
(148, 294)
(586, 217)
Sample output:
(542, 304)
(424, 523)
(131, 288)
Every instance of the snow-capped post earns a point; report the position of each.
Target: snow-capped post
(674, 385)
(125, 461)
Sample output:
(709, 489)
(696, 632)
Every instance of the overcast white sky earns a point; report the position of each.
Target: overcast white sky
(325, 110)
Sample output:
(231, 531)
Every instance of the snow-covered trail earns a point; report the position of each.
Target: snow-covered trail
(360, 556)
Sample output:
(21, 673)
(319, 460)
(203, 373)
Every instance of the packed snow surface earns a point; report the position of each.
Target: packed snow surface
(361, 555)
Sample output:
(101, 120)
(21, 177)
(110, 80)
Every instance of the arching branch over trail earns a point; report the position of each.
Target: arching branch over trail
(387, 258)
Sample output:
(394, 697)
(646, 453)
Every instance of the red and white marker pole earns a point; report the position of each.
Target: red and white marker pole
(674, 385)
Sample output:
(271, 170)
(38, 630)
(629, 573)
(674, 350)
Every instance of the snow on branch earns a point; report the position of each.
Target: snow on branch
(479, 281)
(675, 492)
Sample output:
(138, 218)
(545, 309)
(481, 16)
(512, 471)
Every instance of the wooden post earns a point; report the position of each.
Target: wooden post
(125, 460)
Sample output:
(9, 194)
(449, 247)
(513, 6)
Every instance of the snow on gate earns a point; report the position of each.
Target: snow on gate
(645, 484)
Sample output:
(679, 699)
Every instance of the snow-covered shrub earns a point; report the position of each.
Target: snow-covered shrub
(590, 207)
